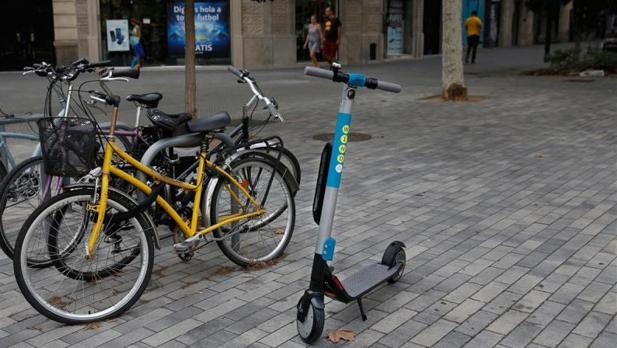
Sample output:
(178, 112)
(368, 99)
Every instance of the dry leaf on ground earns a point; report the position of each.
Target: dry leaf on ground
(335, 336)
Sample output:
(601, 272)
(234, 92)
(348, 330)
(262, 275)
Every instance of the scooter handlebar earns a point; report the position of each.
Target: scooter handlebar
(358, 80)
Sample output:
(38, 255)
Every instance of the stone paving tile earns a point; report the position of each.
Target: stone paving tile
(453, 339)
(508, 208)
(592, 325)
(605, 340)
(554, 333)
(403, 333)
(575, 341)
(507, 322)
(521, 335)
(434, 333)
(484, 339)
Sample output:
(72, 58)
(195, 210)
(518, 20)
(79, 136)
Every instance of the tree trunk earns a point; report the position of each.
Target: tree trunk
(452, 52)
(190, 85)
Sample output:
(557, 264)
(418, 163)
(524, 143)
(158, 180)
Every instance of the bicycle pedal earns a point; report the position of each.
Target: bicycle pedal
(184, 247)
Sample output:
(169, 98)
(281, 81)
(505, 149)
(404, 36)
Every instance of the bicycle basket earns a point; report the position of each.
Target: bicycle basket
(69, 145)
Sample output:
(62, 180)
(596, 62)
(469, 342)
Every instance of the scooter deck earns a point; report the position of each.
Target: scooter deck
(367, 278)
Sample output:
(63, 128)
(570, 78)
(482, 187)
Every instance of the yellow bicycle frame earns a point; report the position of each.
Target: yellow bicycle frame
(189, 230)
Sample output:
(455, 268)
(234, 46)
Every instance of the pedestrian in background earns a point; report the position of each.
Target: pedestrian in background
(332, 35)
(135, 41)
(314, 38)
(473, 24)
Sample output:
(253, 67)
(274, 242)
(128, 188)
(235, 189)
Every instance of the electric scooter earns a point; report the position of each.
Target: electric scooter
(311, 309)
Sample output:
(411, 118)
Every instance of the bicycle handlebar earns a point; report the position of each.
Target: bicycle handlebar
(69, 72)
(355, 80)
(130, 73)
(232, 69)
(244, 77)
(100, 64)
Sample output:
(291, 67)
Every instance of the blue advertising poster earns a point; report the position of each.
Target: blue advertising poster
(212, 38)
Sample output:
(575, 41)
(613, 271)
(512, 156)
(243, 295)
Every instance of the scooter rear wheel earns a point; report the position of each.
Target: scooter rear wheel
(310, 330)
(395, 256)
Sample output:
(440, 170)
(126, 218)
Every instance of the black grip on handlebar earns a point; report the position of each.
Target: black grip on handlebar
(232, 69)
(318, 72)
(130, 73)
(389, 86)
(80, 61)
(100, 64)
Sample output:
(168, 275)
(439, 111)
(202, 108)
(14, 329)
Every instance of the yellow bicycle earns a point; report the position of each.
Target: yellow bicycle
(98, 242)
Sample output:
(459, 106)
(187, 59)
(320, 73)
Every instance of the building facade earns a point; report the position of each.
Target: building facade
(249, 33)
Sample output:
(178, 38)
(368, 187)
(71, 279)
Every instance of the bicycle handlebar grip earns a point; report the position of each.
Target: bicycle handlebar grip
(317, 72)
(80, 61)
(100, 64)
(232, 69)
(130, 73)
(389, 86)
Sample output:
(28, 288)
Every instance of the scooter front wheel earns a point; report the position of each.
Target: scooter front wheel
(310, 330)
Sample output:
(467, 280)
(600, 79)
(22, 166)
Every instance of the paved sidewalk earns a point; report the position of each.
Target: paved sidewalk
(508, 208)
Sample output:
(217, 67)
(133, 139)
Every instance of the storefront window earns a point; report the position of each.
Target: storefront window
(162, 31)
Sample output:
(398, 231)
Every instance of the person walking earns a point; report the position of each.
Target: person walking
(473, 24)
(313, 41)
(332, 35)
(135, 41)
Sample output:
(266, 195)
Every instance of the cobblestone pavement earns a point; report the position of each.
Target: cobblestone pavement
(508, 208)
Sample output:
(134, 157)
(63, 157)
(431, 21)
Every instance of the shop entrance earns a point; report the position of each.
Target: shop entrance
(26, 39)
(397, 22)
(304, 10)
(432, 27)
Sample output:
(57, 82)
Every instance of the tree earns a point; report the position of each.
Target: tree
(190, 84)
(452, 52)
(550, 9)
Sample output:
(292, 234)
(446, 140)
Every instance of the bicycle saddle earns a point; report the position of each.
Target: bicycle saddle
(213, 122)
(149, 100)
(168, 121)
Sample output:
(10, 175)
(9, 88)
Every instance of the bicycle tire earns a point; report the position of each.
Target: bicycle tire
(9, 220)
(281, 245)
(54, 307)
(288, 159)
(3, 170)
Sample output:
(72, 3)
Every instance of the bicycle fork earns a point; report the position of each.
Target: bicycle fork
(101, 207)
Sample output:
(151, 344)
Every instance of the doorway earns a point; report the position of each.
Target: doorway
(432, 27)
(29, 39)
(304, 10)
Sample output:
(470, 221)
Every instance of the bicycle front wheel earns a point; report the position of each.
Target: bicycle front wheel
(262, 238)
(81, 289)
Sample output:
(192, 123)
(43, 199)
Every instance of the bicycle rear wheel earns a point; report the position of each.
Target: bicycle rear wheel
(80, 289)
(3, 170)
(262, 238)
(286, 158)
(21, 192)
